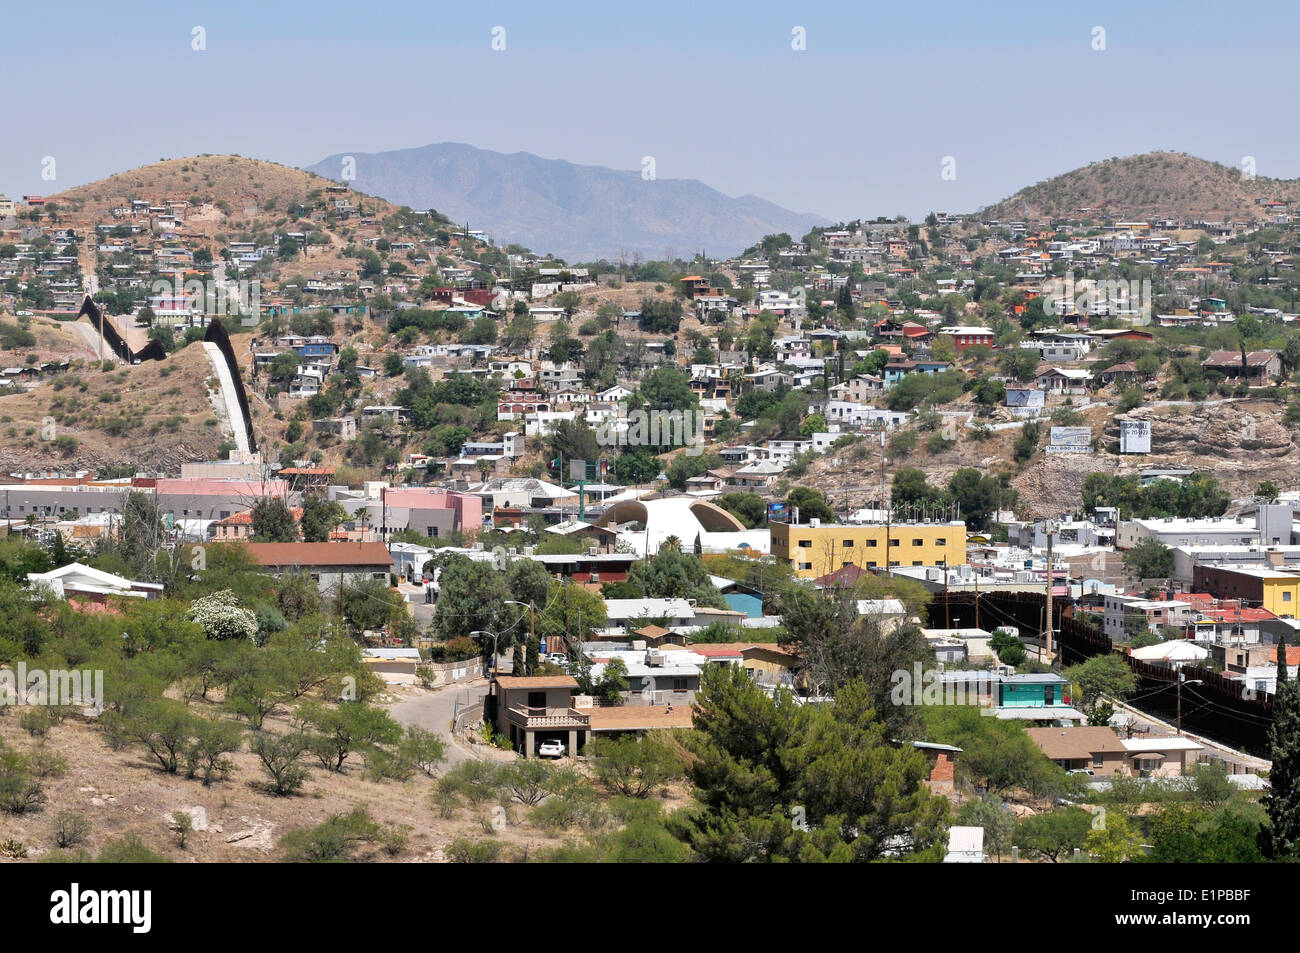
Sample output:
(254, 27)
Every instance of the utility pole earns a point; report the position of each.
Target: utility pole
(977, 598)
(1051, 530)
(947, 620)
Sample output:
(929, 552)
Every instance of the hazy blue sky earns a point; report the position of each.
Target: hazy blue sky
(857, 124)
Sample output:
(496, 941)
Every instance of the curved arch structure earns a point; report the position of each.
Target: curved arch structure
(684, 517)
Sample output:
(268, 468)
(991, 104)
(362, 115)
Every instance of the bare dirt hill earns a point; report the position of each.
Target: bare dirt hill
(1151, 185)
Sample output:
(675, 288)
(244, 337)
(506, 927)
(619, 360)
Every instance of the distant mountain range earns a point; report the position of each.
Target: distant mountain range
(1151, 185)
(578, 212)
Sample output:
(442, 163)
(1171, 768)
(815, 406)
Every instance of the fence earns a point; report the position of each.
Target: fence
(449, 673)
(1219, 708)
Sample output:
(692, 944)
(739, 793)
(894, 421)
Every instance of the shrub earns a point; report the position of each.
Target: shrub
(70, 829)
(281, 757)
(20, 790)
(333, 840)
(465, 851)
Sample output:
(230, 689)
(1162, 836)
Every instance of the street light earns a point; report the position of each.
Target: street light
(532, 621)
(495, 636)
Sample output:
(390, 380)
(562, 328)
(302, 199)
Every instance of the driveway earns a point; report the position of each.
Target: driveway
(433, 710)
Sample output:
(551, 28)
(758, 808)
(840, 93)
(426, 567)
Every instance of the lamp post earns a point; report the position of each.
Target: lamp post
(532, 619)
(495, 637)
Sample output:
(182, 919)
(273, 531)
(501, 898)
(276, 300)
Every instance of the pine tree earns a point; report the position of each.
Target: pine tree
(1282, 674)
(1280, 838)
(531, 659)
(517, 661)
(699, 548)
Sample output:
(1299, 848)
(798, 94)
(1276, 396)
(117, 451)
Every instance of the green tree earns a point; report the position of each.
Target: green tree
(1149, 559)
(1101, 675)
(1055, 835)
(273, 522)
(1281, 835)
(320, 517)
(780, 781)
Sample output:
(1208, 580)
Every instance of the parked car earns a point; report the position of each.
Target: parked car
(558, 658)
(550, 749)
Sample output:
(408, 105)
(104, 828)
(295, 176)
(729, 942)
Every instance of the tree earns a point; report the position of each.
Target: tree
(273, 522)
(1026, 444)
(1053, 835)
(345, 728)
(371, 604)
(1150, 559)
(281, 757)
(222, 617)
(989, 813)
(781, 781)
(811, 504)
(633, 767)
(1280, 838)
(672, 574)
(470, 597)
(320, 517)
(1101, 675)
(1114, 840)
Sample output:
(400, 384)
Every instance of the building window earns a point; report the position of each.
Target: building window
(805, 565)
(1286, 597)
(918, 542)
(805, 544)
(941, 542)
(848, 544)
(871, 542)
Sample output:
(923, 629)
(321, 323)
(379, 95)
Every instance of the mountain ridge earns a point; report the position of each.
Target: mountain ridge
(580, 212)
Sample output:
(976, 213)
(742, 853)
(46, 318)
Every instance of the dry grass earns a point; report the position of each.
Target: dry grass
(123, 792)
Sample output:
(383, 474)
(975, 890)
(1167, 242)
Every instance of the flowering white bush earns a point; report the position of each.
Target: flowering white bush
(221, 616)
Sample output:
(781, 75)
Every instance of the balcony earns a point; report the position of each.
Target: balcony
(533, 718)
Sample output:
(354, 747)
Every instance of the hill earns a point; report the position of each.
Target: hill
(1152, 185)
(578, 212)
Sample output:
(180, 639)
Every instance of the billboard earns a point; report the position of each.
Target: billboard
(778, 513)
(1070, 440)
(1135, 436)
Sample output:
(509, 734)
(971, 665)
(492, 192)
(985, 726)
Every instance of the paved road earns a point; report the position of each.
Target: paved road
(433, 710)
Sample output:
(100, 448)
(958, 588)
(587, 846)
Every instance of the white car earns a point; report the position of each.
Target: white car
(25, 314)
(556, 658)
(550, 749)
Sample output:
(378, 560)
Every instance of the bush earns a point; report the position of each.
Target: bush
(281, 757)
(465, 851)
(70, 829)
(129, 850)
(20, 790)
(333, 840)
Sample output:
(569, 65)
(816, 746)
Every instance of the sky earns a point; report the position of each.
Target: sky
(889, 109)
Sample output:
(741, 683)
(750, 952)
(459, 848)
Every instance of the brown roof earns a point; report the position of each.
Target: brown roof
(652, 632)
(320, 554)
(537, 681)
(1233, 358)
(1083, 741)
(639, 717)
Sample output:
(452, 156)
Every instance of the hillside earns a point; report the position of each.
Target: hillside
(242, 186)
(158, 415)
(577, 212)
(1152, 185)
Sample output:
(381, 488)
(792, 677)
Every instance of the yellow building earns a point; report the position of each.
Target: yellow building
(817, 550)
